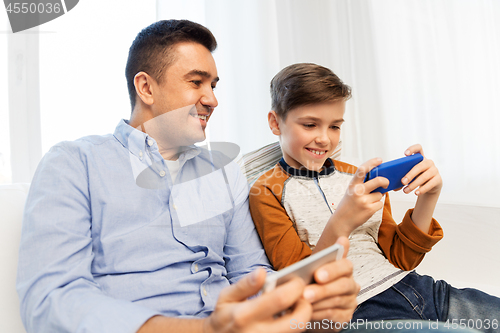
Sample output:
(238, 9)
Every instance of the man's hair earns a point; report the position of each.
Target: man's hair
(152, 49)
(305, 84)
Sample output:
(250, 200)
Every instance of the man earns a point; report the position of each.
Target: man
(142, 231)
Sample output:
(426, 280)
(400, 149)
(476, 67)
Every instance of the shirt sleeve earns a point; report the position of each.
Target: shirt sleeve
(405, 245)
(276, 230)
(243, 249)
(55, 284)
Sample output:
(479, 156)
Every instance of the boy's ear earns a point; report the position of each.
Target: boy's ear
(272, 119)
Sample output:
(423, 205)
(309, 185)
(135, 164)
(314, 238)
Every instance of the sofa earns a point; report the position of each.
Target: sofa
(12, 198)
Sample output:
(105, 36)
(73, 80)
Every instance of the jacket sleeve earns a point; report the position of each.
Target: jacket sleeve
(405, 245)
(276, 230)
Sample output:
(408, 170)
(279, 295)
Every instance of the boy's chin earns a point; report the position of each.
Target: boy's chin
(318, 166)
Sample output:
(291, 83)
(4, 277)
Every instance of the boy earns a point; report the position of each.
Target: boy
(307, 201)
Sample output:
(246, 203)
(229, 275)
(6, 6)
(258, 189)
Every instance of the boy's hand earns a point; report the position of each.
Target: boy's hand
(358, 203)
(425, 175)
(428, 183)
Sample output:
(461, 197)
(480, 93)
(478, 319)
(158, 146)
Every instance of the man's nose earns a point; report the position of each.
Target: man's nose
(209, 99)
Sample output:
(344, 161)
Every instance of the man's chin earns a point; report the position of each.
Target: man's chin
(194, 139)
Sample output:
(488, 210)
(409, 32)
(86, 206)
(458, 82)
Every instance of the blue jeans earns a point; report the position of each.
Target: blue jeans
(419, 297)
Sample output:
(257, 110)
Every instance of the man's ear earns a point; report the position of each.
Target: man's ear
(272, 119)
(144, 87)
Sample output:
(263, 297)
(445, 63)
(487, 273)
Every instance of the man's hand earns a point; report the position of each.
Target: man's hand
(334, 295)
(234, 313)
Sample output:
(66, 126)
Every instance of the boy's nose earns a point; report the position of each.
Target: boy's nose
(322, 138)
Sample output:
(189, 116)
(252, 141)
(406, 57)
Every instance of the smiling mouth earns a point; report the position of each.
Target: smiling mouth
(200, 116)
(317, 152)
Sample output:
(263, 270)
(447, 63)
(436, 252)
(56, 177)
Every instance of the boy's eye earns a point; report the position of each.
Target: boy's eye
(335, 127)
(309, 125)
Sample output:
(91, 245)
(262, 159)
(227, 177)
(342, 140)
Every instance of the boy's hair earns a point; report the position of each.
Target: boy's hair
(305, 84)
(151, 51)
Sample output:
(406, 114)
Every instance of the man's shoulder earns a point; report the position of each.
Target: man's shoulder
(221, 155)
(214, 160)
(217, 157)
(85, 143)
(83, 149)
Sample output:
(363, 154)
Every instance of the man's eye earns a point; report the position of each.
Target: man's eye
(213, 87)
(196, 82)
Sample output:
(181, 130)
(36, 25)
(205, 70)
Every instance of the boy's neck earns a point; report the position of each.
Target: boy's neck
(327, 168)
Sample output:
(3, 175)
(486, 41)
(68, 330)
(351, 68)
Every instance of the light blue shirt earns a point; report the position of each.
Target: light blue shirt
(108, 241)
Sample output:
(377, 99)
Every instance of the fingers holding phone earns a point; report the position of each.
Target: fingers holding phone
(333, 297)
(359, 202)
(423, 177)
(234, 312)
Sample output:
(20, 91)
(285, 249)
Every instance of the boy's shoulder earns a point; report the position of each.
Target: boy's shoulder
(270, 182)
(344, 167)
(272, 176)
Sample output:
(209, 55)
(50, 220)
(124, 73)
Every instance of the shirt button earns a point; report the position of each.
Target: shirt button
(204, 291)
(150, 142)
(196, 267)
(162, 173)
(174, 207)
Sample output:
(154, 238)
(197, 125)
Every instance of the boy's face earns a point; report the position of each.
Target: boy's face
(309, 134)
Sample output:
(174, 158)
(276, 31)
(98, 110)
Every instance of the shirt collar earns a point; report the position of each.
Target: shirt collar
(137, 142)
(328, 168)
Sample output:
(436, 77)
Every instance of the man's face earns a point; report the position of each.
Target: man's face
(310, 134)
(184, 100)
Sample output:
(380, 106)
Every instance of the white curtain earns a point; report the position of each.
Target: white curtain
(422, 71)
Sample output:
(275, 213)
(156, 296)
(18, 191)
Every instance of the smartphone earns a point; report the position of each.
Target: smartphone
(394, 171)
(305, 268)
